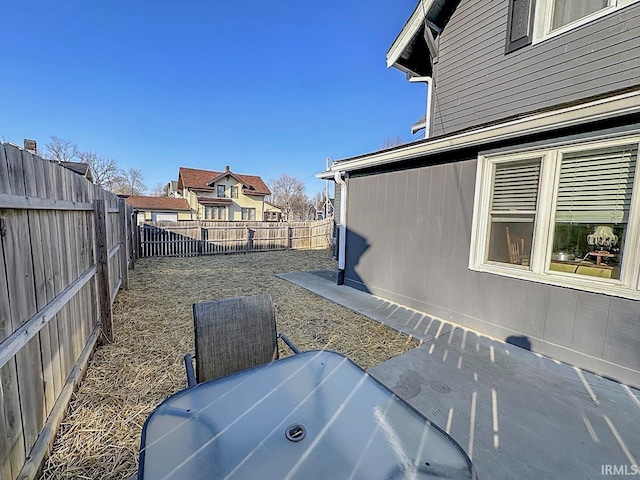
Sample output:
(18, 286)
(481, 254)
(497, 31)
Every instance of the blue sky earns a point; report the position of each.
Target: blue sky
(267, 87)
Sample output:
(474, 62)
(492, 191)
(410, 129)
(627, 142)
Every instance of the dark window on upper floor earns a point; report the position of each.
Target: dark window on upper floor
(220, 190)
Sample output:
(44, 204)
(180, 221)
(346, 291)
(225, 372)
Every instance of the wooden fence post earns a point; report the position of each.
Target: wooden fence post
(133, 236)
(202, 244)
(124, 244)
(102, 271)
(249, 235)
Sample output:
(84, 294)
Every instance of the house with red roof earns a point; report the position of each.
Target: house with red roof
(225, 196)
(157, 209)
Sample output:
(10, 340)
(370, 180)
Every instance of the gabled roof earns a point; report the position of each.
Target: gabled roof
(409, 51)
(140, 202)
(197, 179)
(272, 207)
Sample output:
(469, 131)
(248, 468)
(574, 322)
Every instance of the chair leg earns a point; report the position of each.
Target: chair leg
(191, 376)
(289, 343)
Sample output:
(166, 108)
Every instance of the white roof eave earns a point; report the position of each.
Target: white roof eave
(408, 32)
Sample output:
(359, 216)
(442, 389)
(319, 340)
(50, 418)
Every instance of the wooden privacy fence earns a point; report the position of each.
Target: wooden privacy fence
(65, 247)
(190, 238)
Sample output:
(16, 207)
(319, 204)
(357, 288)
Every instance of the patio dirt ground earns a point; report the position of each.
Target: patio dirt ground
(126, 380)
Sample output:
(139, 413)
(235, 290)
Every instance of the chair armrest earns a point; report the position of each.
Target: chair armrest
(191, 376)
(289, 343)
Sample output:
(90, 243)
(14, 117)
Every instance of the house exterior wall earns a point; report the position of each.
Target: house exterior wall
(476, 82)
(181, 215)
(246, 201)
(408, 241)
(234, 211)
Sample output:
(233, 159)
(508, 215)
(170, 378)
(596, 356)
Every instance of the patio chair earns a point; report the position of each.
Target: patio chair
(232, 335)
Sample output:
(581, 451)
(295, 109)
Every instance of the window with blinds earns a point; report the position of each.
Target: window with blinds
(596, 186)
(515, 187)
(513, 210)
(566, 214)
(592, 210)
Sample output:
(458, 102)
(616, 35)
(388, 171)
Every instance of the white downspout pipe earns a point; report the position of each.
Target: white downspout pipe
(342, 233)
(427, 116)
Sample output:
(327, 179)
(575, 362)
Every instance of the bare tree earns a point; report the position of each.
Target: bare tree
(104, 170)
(160, 190)
(288, 193)
(392, 142)
(61, 150)
(129, 182)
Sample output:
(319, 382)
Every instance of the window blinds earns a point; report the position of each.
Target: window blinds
(595, 186)
(515, 187)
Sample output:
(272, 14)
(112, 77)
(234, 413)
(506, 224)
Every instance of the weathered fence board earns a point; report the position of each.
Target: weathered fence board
(50, 315)
(22, 303)
(190, 238)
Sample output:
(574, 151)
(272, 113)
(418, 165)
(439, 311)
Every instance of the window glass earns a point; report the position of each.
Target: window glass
(512, 212)
(592, 211)
(234, 192)
(248, 214)
(220, 190)
(567, 11)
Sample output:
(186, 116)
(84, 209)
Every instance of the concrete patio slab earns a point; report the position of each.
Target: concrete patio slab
(518, 415)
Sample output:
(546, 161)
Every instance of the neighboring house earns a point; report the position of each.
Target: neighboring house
(519, 215)
(172, 189)
(272, 213)
(157, 209)
(223, 195)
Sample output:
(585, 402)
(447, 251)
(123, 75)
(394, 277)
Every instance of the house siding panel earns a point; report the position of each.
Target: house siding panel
(417, 255)
(590, 323)
(537, 303)
(477, 83)
(622, 339)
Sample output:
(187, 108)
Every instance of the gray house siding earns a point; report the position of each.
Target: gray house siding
(477, 82)
(408, 241)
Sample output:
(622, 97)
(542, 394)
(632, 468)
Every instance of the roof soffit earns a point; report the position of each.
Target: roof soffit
(409, 52)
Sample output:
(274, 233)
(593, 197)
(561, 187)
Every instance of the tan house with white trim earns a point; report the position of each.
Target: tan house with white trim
(224, 196)
(159, 209)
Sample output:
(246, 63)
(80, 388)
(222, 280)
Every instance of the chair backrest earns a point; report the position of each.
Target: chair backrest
(234, 334)
(516, 246)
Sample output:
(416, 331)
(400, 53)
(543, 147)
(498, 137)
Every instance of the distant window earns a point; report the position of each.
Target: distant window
(248, 214)
(561, 216)
(234, 192)
(214, 213)
(220, 190)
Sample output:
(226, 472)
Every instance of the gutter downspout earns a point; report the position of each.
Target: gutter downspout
(342, 233)
(427, 116)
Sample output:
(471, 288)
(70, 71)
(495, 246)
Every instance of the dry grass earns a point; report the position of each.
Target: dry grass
(125, 381)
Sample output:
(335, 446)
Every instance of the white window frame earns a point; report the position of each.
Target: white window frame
(544, 17)
(628, 286)
(247, 211)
